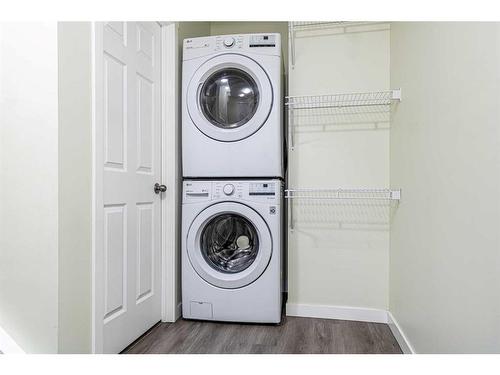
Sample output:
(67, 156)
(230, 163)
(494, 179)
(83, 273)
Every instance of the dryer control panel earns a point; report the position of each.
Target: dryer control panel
(265, 44)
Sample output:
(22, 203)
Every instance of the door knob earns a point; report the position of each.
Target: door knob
(160, 188)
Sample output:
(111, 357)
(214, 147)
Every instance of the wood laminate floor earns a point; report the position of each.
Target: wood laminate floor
(294, 336)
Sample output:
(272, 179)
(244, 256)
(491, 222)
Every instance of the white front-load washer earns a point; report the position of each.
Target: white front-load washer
(232, 106)
(232, 250)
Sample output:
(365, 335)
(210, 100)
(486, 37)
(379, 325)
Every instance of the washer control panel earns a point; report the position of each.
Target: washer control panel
(262, 189)
(234, 190)
(197, 190)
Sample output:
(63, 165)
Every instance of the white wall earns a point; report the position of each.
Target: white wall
(29, 185)
(445, 155)
(329, 264)
(75, 187)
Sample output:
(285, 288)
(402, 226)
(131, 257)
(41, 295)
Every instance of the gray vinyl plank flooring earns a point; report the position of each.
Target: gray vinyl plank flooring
(293, 336)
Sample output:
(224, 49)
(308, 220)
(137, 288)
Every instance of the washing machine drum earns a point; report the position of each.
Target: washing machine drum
(229, 245)
(229, 97)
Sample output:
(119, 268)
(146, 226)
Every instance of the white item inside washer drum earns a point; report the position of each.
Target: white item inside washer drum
(229, 243)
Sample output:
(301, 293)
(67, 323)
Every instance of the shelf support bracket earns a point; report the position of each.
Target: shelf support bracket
(396, 95)
(396, 195)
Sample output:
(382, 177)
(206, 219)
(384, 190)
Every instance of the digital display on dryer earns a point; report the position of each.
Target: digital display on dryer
(263, 41)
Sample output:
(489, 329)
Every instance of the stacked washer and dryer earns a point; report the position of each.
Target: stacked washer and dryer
(233, 169)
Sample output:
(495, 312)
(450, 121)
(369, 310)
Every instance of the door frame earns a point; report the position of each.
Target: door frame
(170, 206)
(170, 310)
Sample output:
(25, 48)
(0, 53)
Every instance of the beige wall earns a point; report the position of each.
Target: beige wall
(445, 146)
(331, 264)
(29, 185)
(75, 187)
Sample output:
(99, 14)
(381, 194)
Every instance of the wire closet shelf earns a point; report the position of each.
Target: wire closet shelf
(336, 26)
(343, 109)
(308, 25)
(348, 194)
(343, 205)
(359, 99)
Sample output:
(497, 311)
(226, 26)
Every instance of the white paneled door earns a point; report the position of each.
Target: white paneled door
(128, 116)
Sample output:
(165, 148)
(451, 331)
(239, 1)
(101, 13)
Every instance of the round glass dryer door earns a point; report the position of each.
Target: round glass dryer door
(229, 97)
(229, 245)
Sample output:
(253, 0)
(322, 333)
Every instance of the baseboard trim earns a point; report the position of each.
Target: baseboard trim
(8, 345)
(399, 334)
(337, 312)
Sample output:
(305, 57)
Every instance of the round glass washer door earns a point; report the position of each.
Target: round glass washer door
(229, 245)
(229, 97)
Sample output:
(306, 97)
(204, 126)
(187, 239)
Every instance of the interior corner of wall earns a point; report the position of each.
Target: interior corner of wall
(399, 335)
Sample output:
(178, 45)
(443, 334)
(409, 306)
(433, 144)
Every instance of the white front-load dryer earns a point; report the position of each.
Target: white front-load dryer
(232, 107)
(232, 250)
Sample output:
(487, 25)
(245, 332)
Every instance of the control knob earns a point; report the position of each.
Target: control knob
(228, 189)
(228, 42)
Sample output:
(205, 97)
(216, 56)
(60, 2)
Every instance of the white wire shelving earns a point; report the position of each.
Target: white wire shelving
(314, 25)
(335, 26)
(369, 107)
(359, 99)
(340, 193)
(369, 206)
